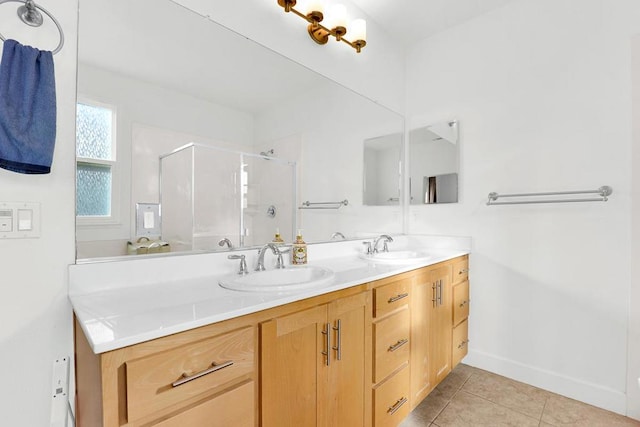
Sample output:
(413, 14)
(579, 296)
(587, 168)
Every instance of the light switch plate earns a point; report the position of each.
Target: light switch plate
(148, 220)
(19, 220)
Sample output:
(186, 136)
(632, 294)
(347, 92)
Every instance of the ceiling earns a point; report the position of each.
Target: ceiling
(410, 20)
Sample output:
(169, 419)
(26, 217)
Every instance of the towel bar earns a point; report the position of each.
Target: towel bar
(604, 192)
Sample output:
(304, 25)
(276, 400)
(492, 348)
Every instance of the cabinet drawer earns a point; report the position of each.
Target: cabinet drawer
(461, 270)
(460, 342)
(232, 408)
(391, 344)
(152, 382)
(460, 302)
(391, 400)
(390, 297)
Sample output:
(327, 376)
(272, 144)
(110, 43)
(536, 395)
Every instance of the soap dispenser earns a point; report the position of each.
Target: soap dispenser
(299, 250)
(277, 239)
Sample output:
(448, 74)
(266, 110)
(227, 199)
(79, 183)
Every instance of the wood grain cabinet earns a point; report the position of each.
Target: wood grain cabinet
(362, 356)
(439, 312)
(461, 301)
(174, 381)
(441, 324)
(391, 350)
(313, 365)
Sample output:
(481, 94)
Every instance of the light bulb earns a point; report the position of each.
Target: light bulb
(307, 6)
(358, 30)
(337, 16)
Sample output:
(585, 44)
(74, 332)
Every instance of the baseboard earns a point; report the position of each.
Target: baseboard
(593, 394)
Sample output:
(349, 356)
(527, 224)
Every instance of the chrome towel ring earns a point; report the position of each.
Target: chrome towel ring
(30, 14)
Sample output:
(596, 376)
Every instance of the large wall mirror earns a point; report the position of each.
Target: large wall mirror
(148, 87)
(433, 164)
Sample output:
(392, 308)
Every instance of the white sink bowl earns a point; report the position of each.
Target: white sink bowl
(288, 279)
(397, 257)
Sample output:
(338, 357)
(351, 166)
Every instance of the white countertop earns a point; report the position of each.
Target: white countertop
(122, 303)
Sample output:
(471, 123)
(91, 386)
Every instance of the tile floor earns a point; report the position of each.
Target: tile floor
(471, 397)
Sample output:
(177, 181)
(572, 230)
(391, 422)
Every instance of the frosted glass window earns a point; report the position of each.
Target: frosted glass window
(95, 155)
(93, 190)
(94, 127)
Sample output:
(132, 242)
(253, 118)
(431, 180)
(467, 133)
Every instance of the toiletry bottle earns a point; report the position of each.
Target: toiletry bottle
(299, 250)
(277, 239)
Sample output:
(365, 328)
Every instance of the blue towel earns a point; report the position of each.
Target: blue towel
(27, 109)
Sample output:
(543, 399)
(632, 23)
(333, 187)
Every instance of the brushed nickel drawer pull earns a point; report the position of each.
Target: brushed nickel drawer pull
(327, 342)
(397, 345)
(214, 367)
(463, 343)
(434, 293)
(338, 347)
(397, 297)
(392, 409)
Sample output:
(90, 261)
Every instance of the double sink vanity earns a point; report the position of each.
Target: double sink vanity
(351, 339)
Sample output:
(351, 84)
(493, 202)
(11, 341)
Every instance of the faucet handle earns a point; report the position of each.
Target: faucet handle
(243, 263)
(369, 247)
(225, 241)
(280, 260)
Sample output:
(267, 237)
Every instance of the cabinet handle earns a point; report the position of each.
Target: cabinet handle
(338, 347)
(396, 406)
(397, 297)
(397, 345)
(463, 343)
(214, 367)
(439, 292)
(434, 294)
(464, 270)
(465, 302)
(327, 333)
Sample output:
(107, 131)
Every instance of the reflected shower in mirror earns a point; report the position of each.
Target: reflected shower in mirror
(433, 164)
(382, 170)
(155, 90)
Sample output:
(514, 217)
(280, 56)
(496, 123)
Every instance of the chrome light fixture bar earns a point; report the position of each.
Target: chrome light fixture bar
(335, 24)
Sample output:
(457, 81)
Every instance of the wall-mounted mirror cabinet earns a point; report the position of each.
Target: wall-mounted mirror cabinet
(149, 86)
(433, 164)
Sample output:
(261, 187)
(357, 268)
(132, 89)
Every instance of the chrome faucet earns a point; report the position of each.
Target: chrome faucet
(385, 239)
(225, 241)
(336, 235)
(243, 264)
(276, 251)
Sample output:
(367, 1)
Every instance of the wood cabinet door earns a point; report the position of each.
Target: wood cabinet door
(294, 370)
(441, 324)
(345, 403)
(422, 305)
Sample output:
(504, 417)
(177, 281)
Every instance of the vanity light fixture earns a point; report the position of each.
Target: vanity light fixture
(335, 23)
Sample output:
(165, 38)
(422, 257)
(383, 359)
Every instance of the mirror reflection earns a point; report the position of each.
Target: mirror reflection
(433, 163)
(382, 170)
(150, 86)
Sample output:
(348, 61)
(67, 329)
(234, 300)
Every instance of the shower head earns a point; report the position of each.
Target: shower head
(267, 153)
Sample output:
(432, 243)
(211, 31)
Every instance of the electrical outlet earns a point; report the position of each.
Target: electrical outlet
(60, 392)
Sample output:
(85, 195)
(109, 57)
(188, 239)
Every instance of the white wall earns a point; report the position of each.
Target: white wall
(34, 311)
(542, 90)
(633, 359)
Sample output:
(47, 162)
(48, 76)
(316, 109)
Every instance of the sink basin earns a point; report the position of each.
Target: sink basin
(397, 257)
(279, 280)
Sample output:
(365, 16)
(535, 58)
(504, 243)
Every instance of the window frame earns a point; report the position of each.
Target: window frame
(88, 221)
